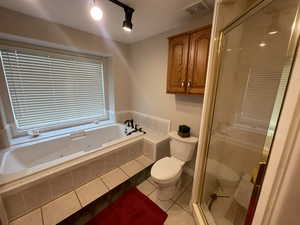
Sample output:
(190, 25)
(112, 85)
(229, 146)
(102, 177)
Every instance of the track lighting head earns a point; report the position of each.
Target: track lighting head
(127, 24)
(97, 13)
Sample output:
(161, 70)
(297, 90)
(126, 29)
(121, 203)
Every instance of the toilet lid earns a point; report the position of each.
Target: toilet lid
(166, 169)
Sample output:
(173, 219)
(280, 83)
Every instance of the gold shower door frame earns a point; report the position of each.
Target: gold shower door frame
(208, 114)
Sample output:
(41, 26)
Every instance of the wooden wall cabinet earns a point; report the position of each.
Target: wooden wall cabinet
(187, 63)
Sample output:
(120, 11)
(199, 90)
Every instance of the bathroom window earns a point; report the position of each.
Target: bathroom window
(53, 90)
(260, 95)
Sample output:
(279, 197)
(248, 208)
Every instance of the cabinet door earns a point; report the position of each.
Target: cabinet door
(177, 65)
(198, 56)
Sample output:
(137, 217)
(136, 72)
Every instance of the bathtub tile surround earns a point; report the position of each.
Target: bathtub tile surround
(37, 195)
(33, 218)
(145, 161)
(114, 178)
(14, 205)
(91, 191)
(152, 124)
(157, 129)
(21, 199)
(82, 175)
(57, 210)
(61, 184)
(70, 203)
(132, 168)
(113, 163)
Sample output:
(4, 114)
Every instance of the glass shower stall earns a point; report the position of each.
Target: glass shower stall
(255, 57)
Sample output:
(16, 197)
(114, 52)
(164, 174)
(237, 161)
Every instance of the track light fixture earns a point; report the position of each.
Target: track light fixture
(127, 23)
(97, 14)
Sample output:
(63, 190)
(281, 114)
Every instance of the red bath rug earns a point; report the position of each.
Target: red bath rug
(133, 208)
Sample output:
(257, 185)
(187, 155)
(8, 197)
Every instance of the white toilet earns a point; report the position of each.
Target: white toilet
(227, 178)
(166, 172)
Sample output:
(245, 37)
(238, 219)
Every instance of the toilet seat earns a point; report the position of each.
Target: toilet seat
(167, 170)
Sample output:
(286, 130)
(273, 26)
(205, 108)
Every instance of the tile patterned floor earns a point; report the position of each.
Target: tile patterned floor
(177, 208)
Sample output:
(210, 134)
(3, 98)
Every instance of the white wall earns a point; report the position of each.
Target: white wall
(148, 74)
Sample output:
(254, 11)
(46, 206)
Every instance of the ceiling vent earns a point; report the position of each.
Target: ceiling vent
(199, 7)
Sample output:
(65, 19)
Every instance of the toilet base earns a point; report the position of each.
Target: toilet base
(167, 191)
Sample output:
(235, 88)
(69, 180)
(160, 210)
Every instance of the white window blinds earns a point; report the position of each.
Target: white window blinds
(48, 91)
(261, 92)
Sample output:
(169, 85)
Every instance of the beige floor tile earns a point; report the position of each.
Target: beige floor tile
(114, 178)
(164, 205)
(33, 218)
(61, 208)
(186, 181)
(132, 168)
(91, 191)
(178, 216)
(152, 181)
(184, 199)
(177, 194)
(146, 187)
(145, 161)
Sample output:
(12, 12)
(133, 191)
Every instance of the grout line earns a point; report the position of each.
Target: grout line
(182, 208)
(173, 203)
(178, 204)
(43, 221)
(155, 188)
(126, 173)
(141, 164)
(78, 199)
(108, 189)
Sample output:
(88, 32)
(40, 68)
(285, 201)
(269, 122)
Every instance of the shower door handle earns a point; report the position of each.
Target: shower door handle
(256, 192)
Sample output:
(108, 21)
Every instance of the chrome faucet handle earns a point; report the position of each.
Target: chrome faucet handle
(129, 123)
(141, 130)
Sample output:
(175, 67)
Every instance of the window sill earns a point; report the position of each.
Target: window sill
(59, 132)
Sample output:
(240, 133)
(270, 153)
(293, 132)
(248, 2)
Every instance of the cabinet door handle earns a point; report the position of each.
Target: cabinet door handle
(182, 83)
(189, 84)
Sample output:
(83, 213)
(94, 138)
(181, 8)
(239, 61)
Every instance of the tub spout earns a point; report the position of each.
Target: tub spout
(33, 133)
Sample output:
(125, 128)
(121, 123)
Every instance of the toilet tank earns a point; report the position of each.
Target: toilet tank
(182, 148)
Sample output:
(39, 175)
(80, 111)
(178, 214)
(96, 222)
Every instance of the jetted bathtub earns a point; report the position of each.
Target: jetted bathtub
(25, 159)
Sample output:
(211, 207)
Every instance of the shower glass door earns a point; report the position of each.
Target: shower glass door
(255, 62)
